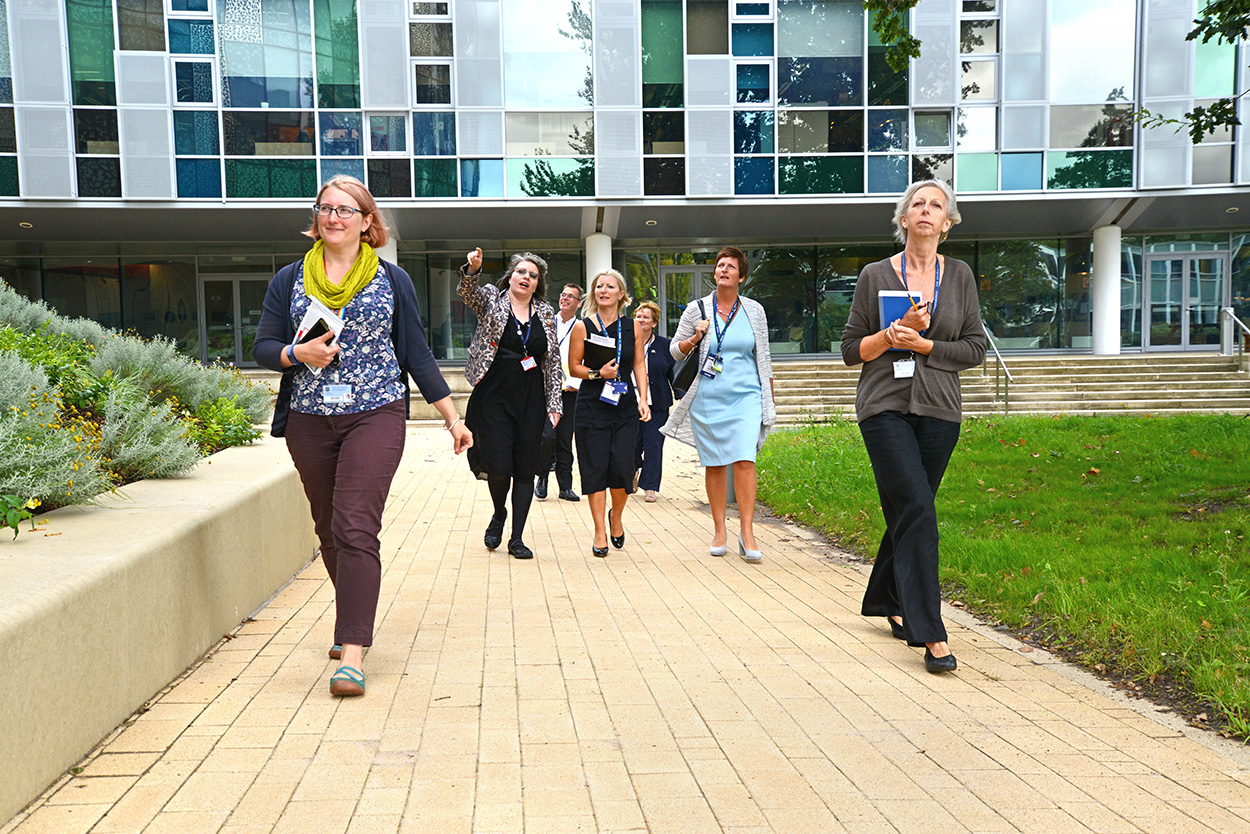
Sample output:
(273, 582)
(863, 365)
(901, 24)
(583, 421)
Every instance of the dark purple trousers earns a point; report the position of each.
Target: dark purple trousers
(346, 464)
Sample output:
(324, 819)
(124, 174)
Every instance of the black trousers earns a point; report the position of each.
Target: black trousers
(559, 448)
(649, 450)
(909, 454)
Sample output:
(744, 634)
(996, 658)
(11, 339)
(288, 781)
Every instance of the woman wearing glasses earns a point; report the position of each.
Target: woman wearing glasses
(514, 367)
(343, 399)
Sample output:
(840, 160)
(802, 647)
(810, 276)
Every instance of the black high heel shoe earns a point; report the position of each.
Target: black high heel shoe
(599, 551)
(618, 541)
(494, 531)
(896, 629)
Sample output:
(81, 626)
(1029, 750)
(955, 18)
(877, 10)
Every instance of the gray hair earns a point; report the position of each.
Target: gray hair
(900, 208)
(540, 288)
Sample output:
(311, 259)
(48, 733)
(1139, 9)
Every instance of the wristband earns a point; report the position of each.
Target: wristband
(290, 354)
(453, 423)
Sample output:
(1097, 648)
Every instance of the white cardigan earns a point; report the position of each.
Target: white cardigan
(678, 426)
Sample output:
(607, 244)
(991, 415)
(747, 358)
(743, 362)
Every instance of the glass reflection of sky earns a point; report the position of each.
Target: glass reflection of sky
(1091, 49)
(542, 67)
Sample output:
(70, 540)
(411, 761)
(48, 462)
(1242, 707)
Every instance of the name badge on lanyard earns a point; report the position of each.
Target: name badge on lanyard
(335, 394)
(528, 363)
(905, 368)
(612, 391)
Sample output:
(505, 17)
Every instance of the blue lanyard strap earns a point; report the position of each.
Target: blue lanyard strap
(529, 325)
(937, 277)
(604, 330)
(720, 334)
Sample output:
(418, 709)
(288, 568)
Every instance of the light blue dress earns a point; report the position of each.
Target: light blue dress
(728, 409)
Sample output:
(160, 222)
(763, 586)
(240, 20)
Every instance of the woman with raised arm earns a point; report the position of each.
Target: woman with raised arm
(909, 407)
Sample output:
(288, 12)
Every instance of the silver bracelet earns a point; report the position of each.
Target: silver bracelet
(453, 424)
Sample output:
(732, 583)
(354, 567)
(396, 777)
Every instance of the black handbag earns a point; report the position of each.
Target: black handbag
(683, 376)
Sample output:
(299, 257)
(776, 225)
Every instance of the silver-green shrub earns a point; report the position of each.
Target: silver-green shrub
(144, 440)
(42, 455)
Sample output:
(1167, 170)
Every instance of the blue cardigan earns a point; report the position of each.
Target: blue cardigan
(660, 373)
(277, 330)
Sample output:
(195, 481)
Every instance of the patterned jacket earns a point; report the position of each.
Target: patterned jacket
(492, 308)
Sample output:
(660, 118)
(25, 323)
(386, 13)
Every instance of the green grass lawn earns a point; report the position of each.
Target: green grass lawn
(1118, 540)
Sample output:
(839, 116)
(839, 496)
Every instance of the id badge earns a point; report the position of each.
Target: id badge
(711, 366)
(331, 394)
(529, 363)
(611, 394)
(904, 368)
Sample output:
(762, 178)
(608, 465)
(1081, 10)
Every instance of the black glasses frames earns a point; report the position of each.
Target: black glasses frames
(343, 212)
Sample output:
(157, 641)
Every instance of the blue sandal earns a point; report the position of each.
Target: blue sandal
(347, 682)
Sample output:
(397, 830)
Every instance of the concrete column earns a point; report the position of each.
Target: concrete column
(1105, 291)
(598, 255)
(442, 286)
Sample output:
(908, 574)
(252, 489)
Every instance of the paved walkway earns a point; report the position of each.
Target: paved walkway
(657, 690)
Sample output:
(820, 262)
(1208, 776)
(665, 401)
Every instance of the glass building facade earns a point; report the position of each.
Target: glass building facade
(156, 176)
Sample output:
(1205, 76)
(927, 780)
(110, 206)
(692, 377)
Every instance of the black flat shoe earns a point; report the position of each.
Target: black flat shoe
(599, 551)
(618, 541)
(518, 549)
(540, 489)
(494, 531)
(939, 664)
(896, 629)
(569, 495)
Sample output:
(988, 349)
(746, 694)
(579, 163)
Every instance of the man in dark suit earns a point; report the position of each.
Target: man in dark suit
(557, 443)
(649, 451)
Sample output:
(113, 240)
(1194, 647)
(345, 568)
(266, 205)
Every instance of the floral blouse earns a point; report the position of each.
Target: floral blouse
(366, 362)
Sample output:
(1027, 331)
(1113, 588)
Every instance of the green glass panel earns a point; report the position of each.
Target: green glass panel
(976, 171)
(662, 48)
(434, 178)
(1089, 169)
(338, 53)
(551, 177)
(885, 86)
(821, 174)
(1215, 66)
(89, 24)
(8, 176)
(271, 178)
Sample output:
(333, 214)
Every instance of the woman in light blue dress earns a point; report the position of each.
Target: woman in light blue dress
(729, 409)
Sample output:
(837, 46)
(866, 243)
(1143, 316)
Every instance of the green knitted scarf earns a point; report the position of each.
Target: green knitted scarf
(336, 296)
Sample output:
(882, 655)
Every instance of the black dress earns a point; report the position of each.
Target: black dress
(507, 407)
(605, 434)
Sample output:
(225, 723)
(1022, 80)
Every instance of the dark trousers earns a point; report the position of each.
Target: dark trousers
(346, 464)
(909, 454)
(649, 450)
(560, 447)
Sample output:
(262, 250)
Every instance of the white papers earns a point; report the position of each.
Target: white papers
(318, 319)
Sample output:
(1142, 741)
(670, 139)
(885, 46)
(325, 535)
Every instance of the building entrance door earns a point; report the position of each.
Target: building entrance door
(1184, 293)
(679, 285)
(230, 308)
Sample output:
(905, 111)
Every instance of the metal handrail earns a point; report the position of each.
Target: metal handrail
(1241, 343)
(999, 363)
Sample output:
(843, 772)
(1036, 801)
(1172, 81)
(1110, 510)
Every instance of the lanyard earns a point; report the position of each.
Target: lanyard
(618, 337)
(937, 276)
(529, 325)
(720, 334)
(567, 330)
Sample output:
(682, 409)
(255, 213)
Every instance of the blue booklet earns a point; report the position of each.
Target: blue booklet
(892, 305)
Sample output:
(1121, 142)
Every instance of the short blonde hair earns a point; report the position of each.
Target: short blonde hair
(590, 306)
(900, 209)
(649, 305)
(377, 234)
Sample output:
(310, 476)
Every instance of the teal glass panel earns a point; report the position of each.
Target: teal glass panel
(387, 134)
(551, 177)
(1215, 69)
(189, 5)
(481, 178)
(8, 177)
(390, 178)
(89, 24)
(976, 171)
(266, 53)
(754, 131)
(1089, 169)
(199, 178)
(196, 133)
(753, 175)
(271, 178)
(350, 167)
(821, 174)
(193, 82)
(663, 70)
(141, 25)
(887, 174)
(191, 37)
(753, 84)
(99, 176)
(1022, 171)
(341, 134)
(338, 53)
(433, 134)
(6, 64)
(752, 39)
(745, 9)
(434, 178)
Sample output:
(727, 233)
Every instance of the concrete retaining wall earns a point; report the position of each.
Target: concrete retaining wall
(103, 606)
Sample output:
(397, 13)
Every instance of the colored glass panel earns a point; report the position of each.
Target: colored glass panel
(554, 134)
(191, 37)
(199, 177)
(193, 82)
(387, 134)
(141, 25)
(885, 86)
(939, 166)
(1215, 69)
(99, 176)
(1089, 169)
(189, 5)
(753, 175)
(976, 171)
(250, 178)
(746, 9)
(1022, 171)
(551, 177)
(430, 40)
(820, 131)
(89, 25)
(663, 133)
(821, 174)
(754, 131)
(434, 178)
(752, 39)
(196, 133)
(663, 176)
(663, 71)
(887, 174)
(390, 178)
(481, 178)
(8, 131)
(753, 84)
(933, 130)
(268, 133)
(887, 130)
(331, 167)
(6, 64)
(338, 53)
(341, 134)
(95, 131)
(8, 177)
(434, 134)
(707, 27)
(827, 81)
(433, 85)
(266, 56)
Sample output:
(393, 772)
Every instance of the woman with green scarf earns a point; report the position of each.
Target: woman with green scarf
(343, 398)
